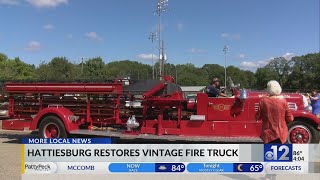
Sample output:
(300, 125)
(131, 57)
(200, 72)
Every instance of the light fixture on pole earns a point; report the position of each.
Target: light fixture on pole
(162, 6)
(152, 38)
(82, 60)
(225, 50)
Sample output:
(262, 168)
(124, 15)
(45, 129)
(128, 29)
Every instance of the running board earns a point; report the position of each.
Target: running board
(15, 124)
(121, 135)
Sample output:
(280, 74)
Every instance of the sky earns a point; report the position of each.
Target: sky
(194, 31)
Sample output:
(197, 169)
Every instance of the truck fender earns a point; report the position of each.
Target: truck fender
(306, 115)
(61, 112)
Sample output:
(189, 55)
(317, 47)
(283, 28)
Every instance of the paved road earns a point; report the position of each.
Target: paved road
(10, 154)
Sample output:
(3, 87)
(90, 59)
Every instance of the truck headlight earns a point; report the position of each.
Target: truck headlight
(308, 108)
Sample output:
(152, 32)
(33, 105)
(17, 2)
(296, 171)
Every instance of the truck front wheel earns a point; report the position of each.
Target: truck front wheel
(302, 133)
(52, 127)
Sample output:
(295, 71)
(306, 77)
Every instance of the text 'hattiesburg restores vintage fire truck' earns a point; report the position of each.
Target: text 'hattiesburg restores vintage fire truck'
(152, 109)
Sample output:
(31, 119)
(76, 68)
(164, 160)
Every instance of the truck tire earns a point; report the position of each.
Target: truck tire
(302, 133)
(52, 127)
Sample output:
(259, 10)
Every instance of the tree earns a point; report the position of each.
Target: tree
(280, 66)
(301, 72)
(15, 69)
(245, 78)
(189, 75)
(134, 70)
(3, 57)
(250, 78)
(304, 72)
(93, 69)
(58, 69)
(263, 76)
(213, 71)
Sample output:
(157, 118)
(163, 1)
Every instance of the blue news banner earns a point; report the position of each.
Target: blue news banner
(274, 159)
(66, 141)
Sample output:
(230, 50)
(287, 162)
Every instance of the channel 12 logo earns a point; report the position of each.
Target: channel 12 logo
(278, 153)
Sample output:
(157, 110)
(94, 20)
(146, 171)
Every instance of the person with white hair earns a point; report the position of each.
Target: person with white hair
(275, 114)
(274, 88)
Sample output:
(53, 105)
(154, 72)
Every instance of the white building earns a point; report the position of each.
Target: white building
(187, 90)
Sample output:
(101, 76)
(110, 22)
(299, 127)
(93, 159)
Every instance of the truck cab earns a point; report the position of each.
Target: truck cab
(235, 115)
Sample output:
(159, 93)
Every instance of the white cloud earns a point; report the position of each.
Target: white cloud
(48, 27)
(36, 3)
(33, 46)
(47, 3)
(229, 36)
(146, 56)
(288, 56)
(180, 26)
(9, 2)
(197, 51)
(242, 55)
(93, 36)
(224, 35)
(253, 64)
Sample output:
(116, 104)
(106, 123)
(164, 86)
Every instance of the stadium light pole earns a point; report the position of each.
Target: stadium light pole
(176, 74)
(162, 6)
(225, 50)
(152, 38)
(82, 59)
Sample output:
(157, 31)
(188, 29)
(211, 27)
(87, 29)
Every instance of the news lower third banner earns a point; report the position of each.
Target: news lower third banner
(99, 156)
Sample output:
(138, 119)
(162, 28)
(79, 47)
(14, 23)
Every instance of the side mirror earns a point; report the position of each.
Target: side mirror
(243, 95)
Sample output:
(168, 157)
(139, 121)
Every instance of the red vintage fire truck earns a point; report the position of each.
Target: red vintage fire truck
(152, 109)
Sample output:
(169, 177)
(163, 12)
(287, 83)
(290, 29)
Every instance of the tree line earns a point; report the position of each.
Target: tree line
(301, 72)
